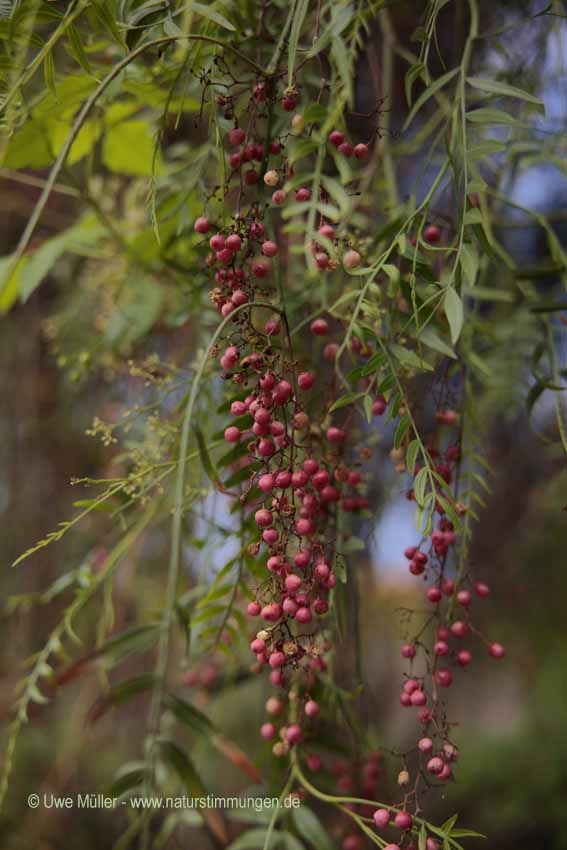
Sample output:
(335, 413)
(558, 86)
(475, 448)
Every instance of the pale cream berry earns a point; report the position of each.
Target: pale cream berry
(271, 178)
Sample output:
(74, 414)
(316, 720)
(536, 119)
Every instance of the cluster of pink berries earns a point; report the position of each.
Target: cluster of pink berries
(452, 600)
(337, 139)
(298, 476)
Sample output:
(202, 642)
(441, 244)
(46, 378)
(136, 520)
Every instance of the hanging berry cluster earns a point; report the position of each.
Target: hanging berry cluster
(306, 468)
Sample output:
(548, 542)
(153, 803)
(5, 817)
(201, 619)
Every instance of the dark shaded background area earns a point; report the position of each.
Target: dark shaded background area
(512, 780)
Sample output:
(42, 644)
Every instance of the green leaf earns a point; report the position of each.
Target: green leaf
(255, 839)
(189, 715)
(453, 307)
(435, 86)
(212, 15)
(10, 280)
(419, 486)
(401, 430)
(412, 74)
(128, 148)
(486, 115)
(126, 781)
(120, 694)
(49, 72)
(302, 148)
(298, 18)
(345, 400)
(78, 49)
(314, 113)
(183, 766)
(340, 55)
(411, 455)
(410, 358)
(487, 147)
(120, 646)
(428, 336)
(107, 16)
(469, 261)
(311, 829)
(496, 87)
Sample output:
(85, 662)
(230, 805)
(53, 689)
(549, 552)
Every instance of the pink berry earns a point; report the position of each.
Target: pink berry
(443, 677)
(464, 657)
(418, 698)
(202, 225)
(361, 151)
(232, 434)
(279, 197)
(216, 242)
(441, 648)
(239, 297)
(435, 765)
(259, 269)
(302, 194)
(270, 536)
(335, 435)
(303, 615)
(237, 136)
(425, 745)
(434, 594)
(304, 527)
(269, 248)
(234, 242)
(314, 762)
(293, 734)
(403, 820)
(432, 234)
(464, 598)
(351, 260)
(322, 571)
(274, 706)
(305, 380)
(346, 149)
(253, 609)
(496, 650)
(266, 448)
(267, 731)
(408, 650)
(459, 629)
(336, 138)
(312, 708)
(292, 583)
(379, 406)
(381, 818)
(266, 483)
(482, 589)
(263, 518)
(277, 659)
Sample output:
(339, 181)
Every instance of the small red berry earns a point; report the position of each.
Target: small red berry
(319, 327)
(381, 818)
(432, 234)
(237, 136)
(202, 225)
(497, 650)
(336, 138)
(403, 820)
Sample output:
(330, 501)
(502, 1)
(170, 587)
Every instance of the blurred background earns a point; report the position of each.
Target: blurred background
(64, 360)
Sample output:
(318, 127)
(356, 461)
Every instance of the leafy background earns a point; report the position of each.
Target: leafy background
(101, 318)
